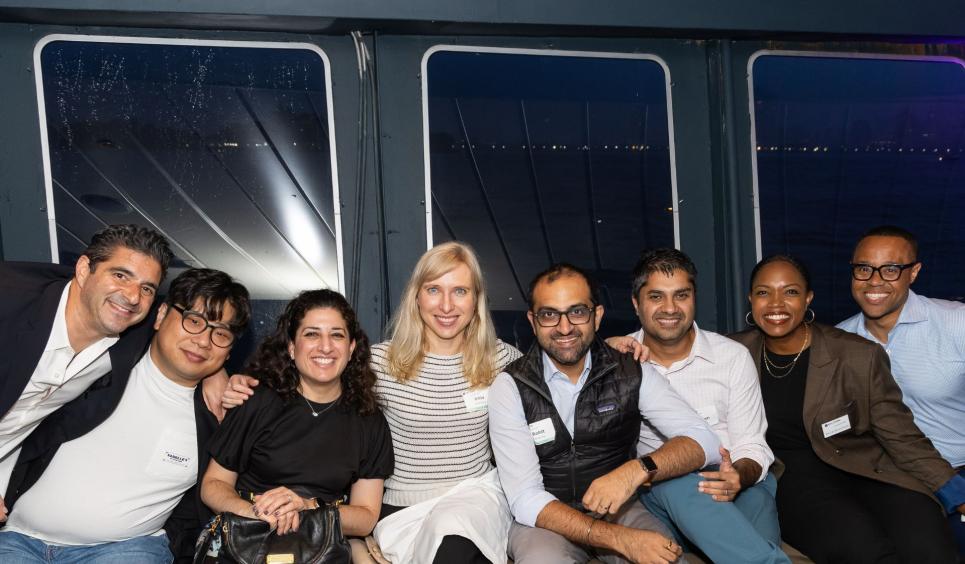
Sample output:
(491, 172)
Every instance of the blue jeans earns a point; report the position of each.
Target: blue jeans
(745, 530)
(16, 548)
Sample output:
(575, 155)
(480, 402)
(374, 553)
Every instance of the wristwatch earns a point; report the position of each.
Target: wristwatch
(648, 465)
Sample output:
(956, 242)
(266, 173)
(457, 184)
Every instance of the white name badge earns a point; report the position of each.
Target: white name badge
(836, 425)
(543, 431)
(709, 414)
(175, 456)
(476, 400)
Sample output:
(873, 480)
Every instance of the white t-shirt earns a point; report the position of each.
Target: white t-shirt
(123, 479)
(60, 376)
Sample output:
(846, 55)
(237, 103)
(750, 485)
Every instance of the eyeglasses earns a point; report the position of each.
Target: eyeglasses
(576, 315)
(888, 272)
(195, 323)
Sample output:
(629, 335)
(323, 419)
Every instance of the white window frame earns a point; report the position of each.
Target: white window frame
(45, 143)
(810, 54)
(552, 53)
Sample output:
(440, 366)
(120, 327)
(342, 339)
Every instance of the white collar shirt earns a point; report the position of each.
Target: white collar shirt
(719, 381)
(61, 375)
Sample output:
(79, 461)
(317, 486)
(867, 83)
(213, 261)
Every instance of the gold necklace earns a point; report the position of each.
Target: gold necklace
(768, 363)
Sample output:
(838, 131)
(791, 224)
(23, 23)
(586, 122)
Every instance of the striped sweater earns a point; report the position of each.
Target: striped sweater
(437, 441)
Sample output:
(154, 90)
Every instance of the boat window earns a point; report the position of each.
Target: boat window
(844, 144)
(541, 157)
(223, 147)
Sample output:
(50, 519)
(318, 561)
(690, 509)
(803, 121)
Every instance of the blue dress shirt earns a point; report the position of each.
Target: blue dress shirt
(927, 352)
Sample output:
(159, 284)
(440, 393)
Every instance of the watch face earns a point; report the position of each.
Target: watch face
(648, 463)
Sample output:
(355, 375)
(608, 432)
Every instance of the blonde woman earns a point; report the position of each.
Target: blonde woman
(443, 503)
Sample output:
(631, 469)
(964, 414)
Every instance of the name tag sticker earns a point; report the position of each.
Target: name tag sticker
(543, 431)
(709, 414)
(476, 400)
(836, 425)
(175, 455)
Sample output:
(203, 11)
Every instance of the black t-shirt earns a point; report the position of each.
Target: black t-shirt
(784, 407)
(269, 443)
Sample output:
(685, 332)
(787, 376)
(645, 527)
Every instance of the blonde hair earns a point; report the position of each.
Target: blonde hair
(407, 331)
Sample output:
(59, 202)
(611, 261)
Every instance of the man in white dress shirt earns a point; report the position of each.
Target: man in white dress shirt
(61, 328)
(729, 512)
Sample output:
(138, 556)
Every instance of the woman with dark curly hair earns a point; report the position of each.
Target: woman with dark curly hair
(313, 433)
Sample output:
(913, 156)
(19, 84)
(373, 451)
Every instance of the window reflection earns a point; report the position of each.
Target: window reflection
(845, 144)
(539, 158)
(225, 149)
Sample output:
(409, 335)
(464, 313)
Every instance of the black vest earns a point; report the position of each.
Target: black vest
(606, 424)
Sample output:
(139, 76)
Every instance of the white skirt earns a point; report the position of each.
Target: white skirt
(475, 508)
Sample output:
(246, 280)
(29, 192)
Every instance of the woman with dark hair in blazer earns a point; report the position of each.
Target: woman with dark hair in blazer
(861, 483)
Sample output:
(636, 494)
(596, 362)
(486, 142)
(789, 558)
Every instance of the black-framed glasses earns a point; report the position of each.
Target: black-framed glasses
(576, 315)
(195, 323)
(887, 272)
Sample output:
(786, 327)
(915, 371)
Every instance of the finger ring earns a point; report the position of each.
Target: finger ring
(726, 492)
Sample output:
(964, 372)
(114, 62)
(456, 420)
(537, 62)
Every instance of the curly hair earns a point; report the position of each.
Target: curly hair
(272, 363)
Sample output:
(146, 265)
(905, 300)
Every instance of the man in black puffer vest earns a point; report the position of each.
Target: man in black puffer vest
(564, 423)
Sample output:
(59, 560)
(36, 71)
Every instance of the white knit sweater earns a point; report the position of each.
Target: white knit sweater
(437, 441)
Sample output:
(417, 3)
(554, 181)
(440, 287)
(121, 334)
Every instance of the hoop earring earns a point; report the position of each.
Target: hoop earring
(813, 315)
(749, 319)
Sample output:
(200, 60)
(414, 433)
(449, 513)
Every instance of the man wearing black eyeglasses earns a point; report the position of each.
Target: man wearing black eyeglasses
(564, 422)
(108, 477)
(924, 339)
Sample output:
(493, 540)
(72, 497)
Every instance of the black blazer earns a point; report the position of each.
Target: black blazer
(29, 295)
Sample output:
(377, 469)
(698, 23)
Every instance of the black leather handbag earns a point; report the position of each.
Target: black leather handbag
(242, 540)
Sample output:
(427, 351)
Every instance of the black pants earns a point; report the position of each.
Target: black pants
(454, 548)
(832, 516)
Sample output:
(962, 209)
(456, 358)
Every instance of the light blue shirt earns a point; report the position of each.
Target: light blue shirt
(927, 352)
(515, 450)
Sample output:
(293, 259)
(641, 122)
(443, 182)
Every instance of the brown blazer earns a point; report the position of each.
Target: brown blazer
(848, 374)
